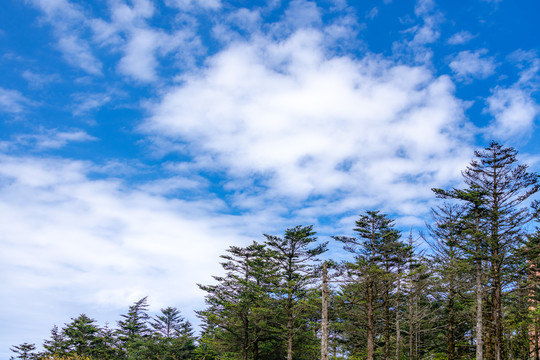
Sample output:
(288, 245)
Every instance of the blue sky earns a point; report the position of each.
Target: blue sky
(139, 139)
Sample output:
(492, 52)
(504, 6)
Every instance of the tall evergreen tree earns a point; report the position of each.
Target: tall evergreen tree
(295, 255)
(135, 323)
(133, 329)
(56, 345)
(377, 252)
(499, 189)
(81, 335)
(24, 351)
(239, 305)
(446, 242)
(170, 323)
(507, 185)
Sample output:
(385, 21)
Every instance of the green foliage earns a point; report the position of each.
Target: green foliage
(24, 351)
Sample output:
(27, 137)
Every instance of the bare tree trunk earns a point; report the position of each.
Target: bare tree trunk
(479, 319)
(479, 293)
(451, 320)
(497, 322)
(324, 321)
(370, 329)
(398, 329)
(289, 339)
(386, 326)
(536, 340)
(412, 334)
(290, 327)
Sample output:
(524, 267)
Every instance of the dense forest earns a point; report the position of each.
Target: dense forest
(466, 288)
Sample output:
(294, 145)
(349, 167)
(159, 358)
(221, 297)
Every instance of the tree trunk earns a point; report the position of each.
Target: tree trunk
(324, 320)
(370, 330)
(479, 319)
(245, 341)
(536, 340)
(289, 336)
(451, 319)
(386, 325)
(479, 291)
(398, 329)
(497, 323)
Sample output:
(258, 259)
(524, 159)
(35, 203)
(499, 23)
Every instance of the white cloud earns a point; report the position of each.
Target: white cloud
(97, 244)
(416, 50)
(37, 80)
(365, 131)
(191, 4)
(468, 65)
(514, 112)
(85, 102)
(142, 44)
(528, 63)
(372, 13)
(128, 31)
(53, 139)
(12, 101)
(78, 53)
(461, 38)
(139, 60)
(69, 22)
(514, 108)
(424, 7)
(302, 13)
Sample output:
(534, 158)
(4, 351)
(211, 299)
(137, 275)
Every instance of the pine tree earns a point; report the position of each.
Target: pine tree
(239, 307)
(295, 257)
(24, 351)
(56, 345)
(378, 252)
(81, 335)
(135, 323)
(447, 238)
(507, 185)
(170, 323)
(133, 330)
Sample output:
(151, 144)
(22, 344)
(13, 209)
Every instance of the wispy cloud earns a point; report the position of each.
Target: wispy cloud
(195, 4)
(514, 108)
(461, 38)
(12, 101)
(141, 44)
(52, 139)
(417, 50)
(69, 23)
(86, 102)
(37, 80)
(468, 65)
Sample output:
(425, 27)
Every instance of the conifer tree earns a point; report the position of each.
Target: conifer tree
(133, 329)
(295, 255)
(506, 185)
(170, 323)
(81, 335)
(377, 252)
(24, 351)
(447, 237)
(239, 305)
(135, 323)
(56, 345)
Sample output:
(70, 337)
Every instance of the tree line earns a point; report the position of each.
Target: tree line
(471, 294)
